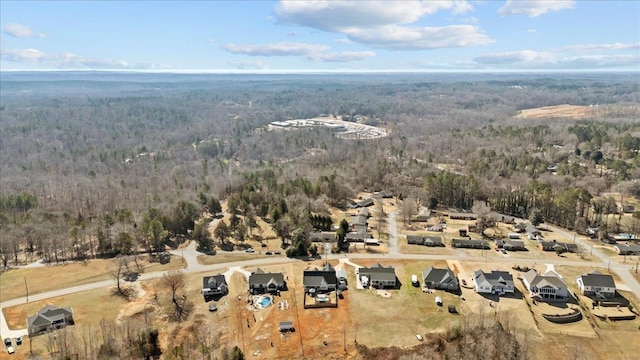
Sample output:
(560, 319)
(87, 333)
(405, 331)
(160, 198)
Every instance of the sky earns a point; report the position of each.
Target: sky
(320, 35)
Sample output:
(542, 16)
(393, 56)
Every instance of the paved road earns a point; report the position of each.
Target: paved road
(194, 267)
(622, 270)
(392, 229)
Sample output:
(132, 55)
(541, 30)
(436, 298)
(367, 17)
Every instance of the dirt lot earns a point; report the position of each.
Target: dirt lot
(577, 112)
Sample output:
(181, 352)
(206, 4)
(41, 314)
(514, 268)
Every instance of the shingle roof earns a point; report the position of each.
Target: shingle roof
(260, 277)
(212, 282)
(441, 276)
(547, 279)
(598, 280)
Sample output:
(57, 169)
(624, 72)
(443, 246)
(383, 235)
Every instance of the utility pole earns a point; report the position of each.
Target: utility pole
(26, 288)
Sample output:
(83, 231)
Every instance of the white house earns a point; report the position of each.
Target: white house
(495, 282)
(597, 284)
(546, 286)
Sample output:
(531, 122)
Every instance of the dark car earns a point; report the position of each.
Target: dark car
(269, 253)
(19, 340)
(277, 253)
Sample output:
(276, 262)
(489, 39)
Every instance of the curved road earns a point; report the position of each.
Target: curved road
(192, 266)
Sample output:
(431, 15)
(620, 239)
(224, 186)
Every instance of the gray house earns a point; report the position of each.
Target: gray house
(322, 236)
(49, 318)
(379, 276)
(511, 245)
(597, 285)
(546, 286)
(442, 279)
(424, 240)
(214, 286)
(495, 282)
(470, 244)
(261, 282)
(320, 281)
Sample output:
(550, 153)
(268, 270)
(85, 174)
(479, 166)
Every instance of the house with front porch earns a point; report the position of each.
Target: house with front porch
(495, 283)
(597, 285)
(214, 286)
(261, 282)
(49, 318)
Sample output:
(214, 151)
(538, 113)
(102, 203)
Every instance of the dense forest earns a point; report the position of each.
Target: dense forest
(101, 164)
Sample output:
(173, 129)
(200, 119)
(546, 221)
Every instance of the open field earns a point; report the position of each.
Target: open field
(53, 277)
(576, 112)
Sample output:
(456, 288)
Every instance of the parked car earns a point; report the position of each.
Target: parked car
(277, 252)
(269, 252)
(464, 282)
(503, 251)
(419, 337)
(10, 349)
(7, 341)
(213, 308)
(19, 340)
(250, 250)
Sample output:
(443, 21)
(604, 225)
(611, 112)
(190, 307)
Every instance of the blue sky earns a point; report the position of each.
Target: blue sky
(280, 36)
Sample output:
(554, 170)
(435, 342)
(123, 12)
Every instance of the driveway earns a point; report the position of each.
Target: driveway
(392, 229)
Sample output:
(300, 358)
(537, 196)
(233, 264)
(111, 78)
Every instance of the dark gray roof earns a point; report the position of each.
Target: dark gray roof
(598, 280)
(322, 236)
(48, 314)
(260, 277)
(379, 272)
(530, 229)
(470, 243)
(358, 220)
(315, 278)
(441, 276)
(213, 282)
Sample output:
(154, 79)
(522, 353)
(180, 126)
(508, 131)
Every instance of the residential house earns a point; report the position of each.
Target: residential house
(320, 281)
(261, 282)
(358, 237)
(441, 279)
(365, 203)
(597, 285)
(505, 219)
(49, 318)
(554, 245)
(627, 249)
(546, 286)
(322, 236)
(379, 276)
(495, 282)
(470, 244)
(533, 233)
(358, 220)
(520, 227)
(423, 215)
(462, 216)
(214, 286)
(511, 245)
(364, 212)
(424, 240)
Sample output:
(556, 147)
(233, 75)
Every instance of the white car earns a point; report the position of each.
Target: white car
(250, 250)
(10, 349)
(419, 337)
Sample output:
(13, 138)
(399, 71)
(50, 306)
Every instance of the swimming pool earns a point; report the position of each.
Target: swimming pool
(263, 301)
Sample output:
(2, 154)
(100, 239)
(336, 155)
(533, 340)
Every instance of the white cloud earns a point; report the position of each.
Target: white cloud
(291, 33)
(532, 31)
(383, 23)
(515, 57)
(277, 49)
(534, 8)
(22, 55)
(61, 60)
(312, 52)
(600, 47)
(254, 64)
(415, 38)
(548, 60)
(344, 56)
(211, 40)
(17, 30)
